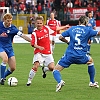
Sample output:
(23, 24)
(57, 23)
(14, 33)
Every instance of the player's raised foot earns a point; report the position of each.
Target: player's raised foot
(60, 85)
(95, 84)
(44, 73)
(2, 81)
(28, 83)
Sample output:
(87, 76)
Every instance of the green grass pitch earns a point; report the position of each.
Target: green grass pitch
(76, 78)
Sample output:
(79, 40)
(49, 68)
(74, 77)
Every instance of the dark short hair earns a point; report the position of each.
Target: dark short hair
(89, 12)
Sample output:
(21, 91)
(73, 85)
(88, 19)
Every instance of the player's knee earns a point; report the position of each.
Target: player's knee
(12, 69)
(53, 42)
(5, 60)
(90, 61)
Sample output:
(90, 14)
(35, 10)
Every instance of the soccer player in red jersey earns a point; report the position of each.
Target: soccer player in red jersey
(52, 22)
(42, 49)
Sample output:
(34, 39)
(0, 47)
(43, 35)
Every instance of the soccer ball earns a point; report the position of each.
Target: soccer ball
(12, 81)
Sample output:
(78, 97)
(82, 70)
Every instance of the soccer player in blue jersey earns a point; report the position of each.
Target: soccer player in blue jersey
(7, 32)
(91, 24)
(76, 52)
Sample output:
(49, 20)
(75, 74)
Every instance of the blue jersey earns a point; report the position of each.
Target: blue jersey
(91, 23)
(76, 52)
(6, 40)
(79, 36)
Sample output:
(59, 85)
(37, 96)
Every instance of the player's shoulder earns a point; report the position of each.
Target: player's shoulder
(13, 27)
(48, 20)
(93, 18)
(35, 30)
(46, 26)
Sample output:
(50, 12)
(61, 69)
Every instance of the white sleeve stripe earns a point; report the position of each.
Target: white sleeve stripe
(35, 37)
(50, 30)
(47, 22)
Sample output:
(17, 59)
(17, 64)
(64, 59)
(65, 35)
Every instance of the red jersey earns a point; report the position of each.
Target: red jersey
(53, 23)
(42, 38)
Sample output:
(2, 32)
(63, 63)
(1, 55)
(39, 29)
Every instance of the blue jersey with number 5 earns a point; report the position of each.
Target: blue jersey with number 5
(79, 36)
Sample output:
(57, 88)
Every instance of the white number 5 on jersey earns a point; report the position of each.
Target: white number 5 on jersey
(77, 39)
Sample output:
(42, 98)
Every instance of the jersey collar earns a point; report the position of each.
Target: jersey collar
(4, 25)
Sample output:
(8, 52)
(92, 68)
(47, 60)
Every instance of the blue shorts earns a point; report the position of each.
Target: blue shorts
(9, 51)
(67, 60)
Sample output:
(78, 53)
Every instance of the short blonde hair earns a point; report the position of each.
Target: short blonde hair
(7, 16)
(39, 18)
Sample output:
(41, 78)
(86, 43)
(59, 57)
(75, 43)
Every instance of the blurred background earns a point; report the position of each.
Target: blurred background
(67, 11)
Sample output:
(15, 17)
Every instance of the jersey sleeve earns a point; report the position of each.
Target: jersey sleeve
(93, 32)
(66, 33)
(13, 30)
(51, 31)
(94, 24)
(34, 39)
(47, 22)
(58, 23)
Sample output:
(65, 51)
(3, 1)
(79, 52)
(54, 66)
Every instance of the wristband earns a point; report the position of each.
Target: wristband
(19, 33)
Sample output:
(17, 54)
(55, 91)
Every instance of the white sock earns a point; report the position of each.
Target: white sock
(53, 46)
(31, 75)
(46, 69)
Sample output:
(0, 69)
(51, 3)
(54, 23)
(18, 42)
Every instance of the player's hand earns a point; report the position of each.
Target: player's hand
(41, 48)
(67, 26)
(89, 24)
(3, 35)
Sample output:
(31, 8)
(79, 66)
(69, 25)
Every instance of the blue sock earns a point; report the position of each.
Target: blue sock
(3, 68)
(8, 72)
(91, 71)
(57, 76)
(88, 48)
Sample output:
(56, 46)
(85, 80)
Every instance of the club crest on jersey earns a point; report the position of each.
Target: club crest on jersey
(45, 30)
(8, 31)
(45, 36)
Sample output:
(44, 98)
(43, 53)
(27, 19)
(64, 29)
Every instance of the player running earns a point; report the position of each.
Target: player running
(7, 32)
(91, 24)
(76, 53)
(42, 49)
(52, 22)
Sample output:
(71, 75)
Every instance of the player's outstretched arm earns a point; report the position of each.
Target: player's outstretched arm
(37, 46)
(24, 36)
(62, 27)
(63, 39)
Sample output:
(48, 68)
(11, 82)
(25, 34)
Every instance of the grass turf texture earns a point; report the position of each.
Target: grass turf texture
(76, 78)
